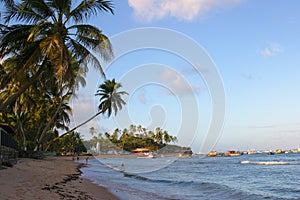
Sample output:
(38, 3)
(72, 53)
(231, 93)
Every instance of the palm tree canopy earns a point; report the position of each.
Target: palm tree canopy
(111, 99)
(54, 30)
(45, 46)
(49, 38)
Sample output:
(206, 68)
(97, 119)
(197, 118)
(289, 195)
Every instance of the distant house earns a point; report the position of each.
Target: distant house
(140, 150)
(8, 146)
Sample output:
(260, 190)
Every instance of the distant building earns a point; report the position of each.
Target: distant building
(98, 148)
(140, 150)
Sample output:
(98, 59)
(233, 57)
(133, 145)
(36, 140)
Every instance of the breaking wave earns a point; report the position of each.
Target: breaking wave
(269, 162)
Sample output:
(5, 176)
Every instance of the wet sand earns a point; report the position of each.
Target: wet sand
(50, 178)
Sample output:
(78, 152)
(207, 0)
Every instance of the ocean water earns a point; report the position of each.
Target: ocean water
(257, 176)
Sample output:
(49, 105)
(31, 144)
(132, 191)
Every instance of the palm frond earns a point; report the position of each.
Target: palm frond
(92, 38)
(90, 7)
(13, 38)
(10, 10)
(111, 100)
(31, 56)
(62, 6)
(86, 56)
(26, 11)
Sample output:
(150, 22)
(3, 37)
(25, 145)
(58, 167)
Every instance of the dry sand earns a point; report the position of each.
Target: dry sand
(50, 178)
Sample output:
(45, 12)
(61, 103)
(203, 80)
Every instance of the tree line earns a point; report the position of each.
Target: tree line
(46, 49)
(133, 137)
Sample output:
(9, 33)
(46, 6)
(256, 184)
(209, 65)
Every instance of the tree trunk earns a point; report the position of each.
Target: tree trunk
(20, 128)
(49, 123)
(73, 129)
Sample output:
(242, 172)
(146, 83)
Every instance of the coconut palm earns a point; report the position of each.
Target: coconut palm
(139, 129)
(115, 135)
(38, 112)
(125, 134)
(100, 136)
(51, 34)
(55, 113)
(110, 100)
(92, 131)
(132, 129)
(167, 137)
(158, 135)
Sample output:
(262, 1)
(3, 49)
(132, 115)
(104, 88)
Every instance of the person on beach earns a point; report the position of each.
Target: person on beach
(86, 160)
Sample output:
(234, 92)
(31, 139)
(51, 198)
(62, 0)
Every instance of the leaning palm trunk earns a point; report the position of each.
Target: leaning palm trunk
(110, 101)
(73, 129)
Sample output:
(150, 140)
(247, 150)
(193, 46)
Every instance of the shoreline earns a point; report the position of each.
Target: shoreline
(131, 155)
(49, 178)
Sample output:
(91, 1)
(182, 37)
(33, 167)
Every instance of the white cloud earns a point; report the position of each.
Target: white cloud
(271, 50)
(148, 10)
(177, 85)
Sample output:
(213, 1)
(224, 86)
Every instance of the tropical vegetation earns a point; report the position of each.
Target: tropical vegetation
(46, 48)
(69, 144)
(131, 138)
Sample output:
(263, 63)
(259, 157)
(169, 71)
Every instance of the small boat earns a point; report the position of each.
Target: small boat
(279, 151)
(147, 155)
(233, 153)
(212, 154)
(251, 151)
(296, 150)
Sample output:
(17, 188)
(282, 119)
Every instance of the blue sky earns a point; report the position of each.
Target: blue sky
(255, 46)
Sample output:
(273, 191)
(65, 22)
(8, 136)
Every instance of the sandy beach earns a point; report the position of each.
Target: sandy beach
(50, 178)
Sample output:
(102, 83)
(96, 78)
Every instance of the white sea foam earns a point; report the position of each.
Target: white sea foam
(269, 162)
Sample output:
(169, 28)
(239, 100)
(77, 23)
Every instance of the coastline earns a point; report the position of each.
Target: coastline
(49, 178)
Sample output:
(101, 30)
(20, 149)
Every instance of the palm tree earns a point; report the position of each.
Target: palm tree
(37, 113)
(53, 35)
(167, 137)
(158, 135)
(125, 134)
(92, 131)
(132, 129)
(100, 136)
(107, 135)
(57, 114)
(174, 139)
(144, 132)
(151, 135)
(115, 135)
(139, 129)
(111, 100)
